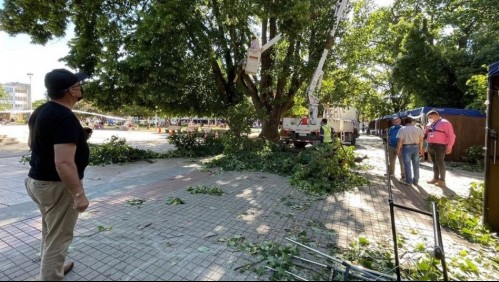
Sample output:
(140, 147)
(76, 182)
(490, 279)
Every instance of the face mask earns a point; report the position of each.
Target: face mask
(81, 92)
(431, 120)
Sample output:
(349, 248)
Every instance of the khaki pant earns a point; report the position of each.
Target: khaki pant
(392, 156)
(58, 221)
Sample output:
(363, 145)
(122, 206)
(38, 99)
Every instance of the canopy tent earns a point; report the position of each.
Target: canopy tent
(420, 112)
(494, 69)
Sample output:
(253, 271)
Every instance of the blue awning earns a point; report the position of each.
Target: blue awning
(419, 112)
(494, 69)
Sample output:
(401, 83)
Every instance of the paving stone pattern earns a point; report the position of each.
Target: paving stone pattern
(158, 241)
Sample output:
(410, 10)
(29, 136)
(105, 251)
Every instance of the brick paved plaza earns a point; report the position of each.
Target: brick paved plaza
(158, 241)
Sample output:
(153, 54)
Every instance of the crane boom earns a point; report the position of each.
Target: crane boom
(302, 131)
(317, 77)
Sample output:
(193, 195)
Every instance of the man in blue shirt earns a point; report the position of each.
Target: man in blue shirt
(392, 148)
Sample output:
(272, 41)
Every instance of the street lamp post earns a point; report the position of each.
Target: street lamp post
(156, 115)
(30, 95)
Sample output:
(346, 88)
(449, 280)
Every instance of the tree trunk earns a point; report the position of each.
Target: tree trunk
(270, 130)
(270, 126)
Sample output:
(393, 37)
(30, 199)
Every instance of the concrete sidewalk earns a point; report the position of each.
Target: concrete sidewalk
(158, 241)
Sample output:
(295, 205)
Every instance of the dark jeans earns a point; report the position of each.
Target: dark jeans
(437, 155)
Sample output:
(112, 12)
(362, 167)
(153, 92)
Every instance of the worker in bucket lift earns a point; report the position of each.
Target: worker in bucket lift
(255, 44)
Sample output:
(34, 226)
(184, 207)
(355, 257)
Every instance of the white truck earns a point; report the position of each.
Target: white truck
(293, 131)
(344, 121)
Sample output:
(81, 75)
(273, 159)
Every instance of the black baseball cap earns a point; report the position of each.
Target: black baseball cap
(59, 80)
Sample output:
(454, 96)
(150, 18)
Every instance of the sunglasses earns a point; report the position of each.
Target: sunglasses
(80, 88)
(76, 86)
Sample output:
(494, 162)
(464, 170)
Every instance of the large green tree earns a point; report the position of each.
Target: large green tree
(365, 56)
(371, 48)
(413, 54)
(437, 46)
(185, 56)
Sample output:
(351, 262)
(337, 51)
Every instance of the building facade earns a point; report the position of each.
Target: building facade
(18, 96)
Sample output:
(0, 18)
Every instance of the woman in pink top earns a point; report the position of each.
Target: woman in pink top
(440, 136)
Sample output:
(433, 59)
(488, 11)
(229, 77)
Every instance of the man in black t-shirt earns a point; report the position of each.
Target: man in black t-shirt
(59, 156)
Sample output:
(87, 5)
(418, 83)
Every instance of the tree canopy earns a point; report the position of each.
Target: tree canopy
(424, 53)
(186, 57)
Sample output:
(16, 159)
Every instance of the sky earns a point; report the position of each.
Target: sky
(18, 57)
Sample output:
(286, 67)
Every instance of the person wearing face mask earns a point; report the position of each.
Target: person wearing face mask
(59, 156)
(441, 138)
